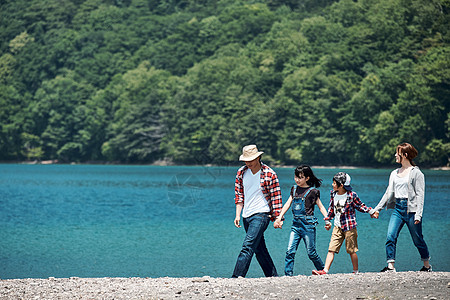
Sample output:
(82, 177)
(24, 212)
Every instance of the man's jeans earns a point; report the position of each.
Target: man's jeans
(303, 227)
(399, 218)
(254, 243)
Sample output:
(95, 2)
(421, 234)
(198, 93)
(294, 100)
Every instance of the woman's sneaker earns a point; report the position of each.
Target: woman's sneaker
(386, 269)
(425, 269)
(319, 272)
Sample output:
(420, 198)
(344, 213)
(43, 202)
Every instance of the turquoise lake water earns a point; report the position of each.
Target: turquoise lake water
(151, 221)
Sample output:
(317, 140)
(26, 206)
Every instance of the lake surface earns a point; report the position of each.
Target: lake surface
(152, 221)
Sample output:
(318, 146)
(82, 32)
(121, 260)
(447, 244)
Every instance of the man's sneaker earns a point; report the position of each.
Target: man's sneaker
(425, 269)
(386, 269)
(319, 272)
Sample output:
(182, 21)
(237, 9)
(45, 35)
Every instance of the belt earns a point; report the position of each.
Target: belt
(400, 199)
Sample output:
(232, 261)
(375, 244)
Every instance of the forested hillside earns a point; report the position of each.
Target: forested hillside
(190, 82)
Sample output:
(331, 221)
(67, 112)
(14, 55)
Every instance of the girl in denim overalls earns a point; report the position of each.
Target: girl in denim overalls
(303, 198)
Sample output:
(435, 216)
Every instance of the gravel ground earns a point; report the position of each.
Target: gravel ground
(400, 285)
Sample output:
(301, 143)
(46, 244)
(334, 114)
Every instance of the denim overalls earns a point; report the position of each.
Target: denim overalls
(303, 226)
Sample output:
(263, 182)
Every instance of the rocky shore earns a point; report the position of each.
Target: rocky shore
(400, 285)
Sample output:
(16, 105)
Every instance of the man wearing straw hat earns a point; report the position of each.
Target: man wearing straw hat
(258, 198)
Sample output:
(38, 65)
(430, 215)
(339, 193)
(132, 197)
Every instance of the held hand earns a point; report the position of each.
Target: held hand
(237, 222)
(375, 215)
(327, 226)
(278, 224)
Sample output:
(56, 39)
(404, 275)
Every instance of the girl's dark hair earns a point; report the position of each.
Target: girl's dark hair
(408, 150)
(307, 172)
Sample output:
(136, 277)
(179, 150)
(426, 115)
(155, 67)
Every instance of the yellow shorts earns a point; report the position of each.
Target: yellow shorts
(337, 239)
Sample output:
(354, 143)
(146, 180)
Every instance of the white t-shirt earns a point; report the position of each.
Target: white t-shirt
(339, 203)
(401, 186)
(254, 200)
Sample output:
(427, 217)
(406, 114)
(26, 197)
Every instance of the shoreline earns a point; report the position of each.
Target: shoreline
(399, 285)
(163, 164)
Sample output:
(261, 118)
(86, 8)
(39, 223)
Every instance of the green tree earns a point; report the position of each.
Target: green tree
(32, 148)
(136, 130)
(59, 117)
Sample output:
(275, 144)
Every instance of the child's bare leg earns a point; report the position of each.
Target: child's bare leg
(354, 258)
(329, 261)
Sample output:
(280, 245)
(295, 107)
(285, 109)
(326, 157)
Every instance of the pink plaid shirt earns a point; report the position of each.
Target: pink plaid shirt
(269, 186)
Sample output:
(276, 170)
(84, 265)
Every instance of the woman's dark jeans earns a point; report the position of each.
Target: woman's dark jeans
(400, 217)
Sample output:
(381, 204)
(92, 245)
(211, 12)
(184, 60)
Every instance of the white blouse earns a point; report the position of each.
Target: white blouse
(401, 186)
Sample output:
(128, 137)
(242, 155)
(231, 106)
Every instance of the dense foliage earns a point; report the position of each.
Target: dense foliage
(190, 82)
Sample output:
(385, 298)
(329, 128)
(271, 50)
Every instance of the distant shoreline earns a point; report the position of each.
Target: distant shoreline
(400, 285)
(163, 164)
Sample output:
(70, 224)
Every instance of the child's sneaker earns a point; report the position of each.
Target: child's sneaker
(425, 269)
(386, 269)
(319, 272)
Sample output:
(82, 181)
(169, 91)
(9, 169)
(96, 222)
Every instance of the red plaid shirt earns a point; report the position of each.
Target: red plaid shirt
(269, 186)
(348, 215)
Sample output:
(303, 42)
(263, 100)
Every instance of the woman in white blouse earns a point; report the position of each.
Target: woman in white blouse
(405, 194)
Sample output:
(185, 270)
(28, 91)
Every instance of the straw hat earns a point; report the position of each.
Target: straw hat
(249, 153)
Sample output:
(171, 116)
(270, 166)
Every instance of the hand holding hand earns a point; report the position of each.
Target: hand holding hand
(278, 223)
(375, 215)
(327, 226)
